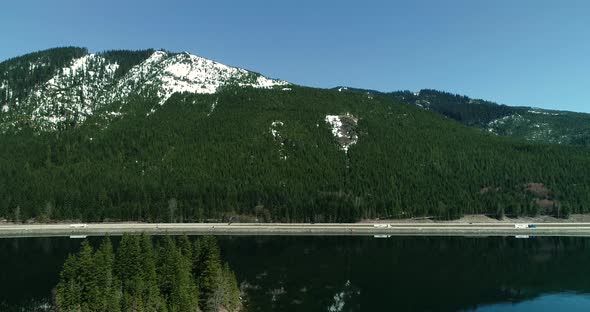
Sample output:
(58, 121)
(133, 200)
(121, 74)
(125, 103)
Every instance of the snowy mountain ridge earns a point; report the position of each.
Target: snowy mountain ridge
(185, 72)
(88, 83)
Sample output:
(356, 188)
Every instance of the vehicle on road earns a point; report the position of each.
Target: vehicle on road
(382, 226)
(79, 225)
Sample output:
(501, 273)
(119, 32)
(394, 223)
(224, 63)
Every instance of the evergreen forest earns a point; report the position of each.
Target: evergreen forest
(270, 156)
(142, 274)
(267, 154)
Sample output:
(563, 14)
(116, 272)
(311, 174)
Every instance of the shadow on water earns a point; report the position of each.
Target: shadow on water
(286, 273)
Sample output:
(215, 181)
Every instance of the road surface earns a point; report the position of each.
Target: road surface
(378, 230)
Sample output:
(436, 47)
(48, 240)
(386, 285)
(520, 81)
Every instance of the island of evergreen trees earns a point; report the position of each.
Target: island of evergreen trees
(147, 275)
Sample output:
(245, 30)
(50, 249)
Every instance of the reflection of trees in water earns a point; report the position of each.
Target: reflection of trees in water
(30, 269)
(29, 305)
(412, 273)
(346, 299)
(409, 273)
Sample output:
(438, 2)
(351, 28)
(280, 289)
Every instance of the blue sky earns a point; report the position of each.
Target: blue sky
(525, 52)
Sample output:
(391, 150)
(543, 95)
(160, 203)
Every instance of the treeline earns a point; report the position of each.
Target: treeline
(214, 157)
(468, 111)
(461, 108)
(20, 74)
(173, 274)
(126, 59)
(546, 126)
(532, 124)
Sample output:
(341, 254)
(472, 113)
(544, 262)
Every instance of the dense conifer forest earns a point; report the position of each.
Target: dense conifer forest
(218, 157)
(528, 123)
(22, 73)
(171, 275)
(461, 108)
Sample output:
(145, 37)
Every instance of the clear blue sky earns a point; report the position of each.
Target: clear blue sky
(517, 52)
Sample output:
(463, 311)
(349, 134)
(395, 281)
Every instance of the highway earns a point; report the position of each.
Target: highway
(374, 229)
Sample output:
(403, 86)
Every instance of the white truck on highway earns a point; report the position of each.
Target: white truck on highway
(382, 226)
(525, 226)
(78, 226)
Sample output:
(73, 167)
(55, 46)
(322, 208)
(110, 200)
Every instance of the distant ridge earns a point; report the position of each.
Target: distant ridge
(532, 124)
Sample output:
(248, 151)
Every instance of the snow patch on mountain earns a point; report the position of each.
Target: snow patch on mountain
(541, 112)
(343, 129)
(527, 126)
(501, 121)
(36, 65)
(213, 106)
(73, 93)
(88, 83)
(168, 74)
(274, 131)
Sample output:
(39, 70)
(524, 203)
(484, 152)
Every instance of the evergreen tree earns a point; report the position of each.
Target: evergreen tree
(69, 296)
(105, 280)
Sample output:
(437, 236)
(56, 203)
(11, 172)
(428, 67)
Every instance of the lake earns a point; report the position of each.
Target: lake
(330, 273)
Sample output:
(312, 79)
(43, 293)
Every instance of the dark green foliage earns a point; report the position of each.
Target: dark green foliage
(138, 277)
(126, 59)
(533, 124)
(87, 281)
(186, 163)
(180, 164)
(24, 72)
(460, 108)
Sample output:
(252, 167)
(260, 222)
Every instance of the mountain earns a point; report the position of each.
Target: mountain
(532, 124)
(161, 136)
(46, 93)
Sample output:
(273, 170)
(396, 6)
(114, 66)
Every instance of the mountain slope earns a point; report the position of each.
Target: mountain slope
(159, 136)
(81, 83)
(274, 155)
(532, 124)
(20, 74)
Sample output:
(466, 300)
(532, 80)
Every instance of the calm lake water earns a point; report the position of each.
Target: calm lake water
(289, 273)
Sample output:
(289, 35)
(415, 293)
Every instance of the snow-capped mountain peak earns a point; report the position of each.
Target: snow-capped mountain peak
(74, 92)
(88, 83)
(185, 72)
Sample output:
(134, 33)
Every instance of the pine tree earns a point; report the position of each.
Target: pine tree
(136, 277)
(108, 299)
(231, 291)
(209, 274)
(88, 277)
(69, 295)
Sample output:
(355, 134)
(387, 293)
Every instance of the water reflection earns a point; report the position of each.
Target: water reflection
(356, 273)
(405, 273)
(549, 303)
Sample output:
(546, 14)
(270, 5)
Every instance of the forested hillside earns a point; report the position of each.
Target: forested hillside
(20, 74)
(531, 124)
(61, 88)
(171, 275)
(282, 154)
